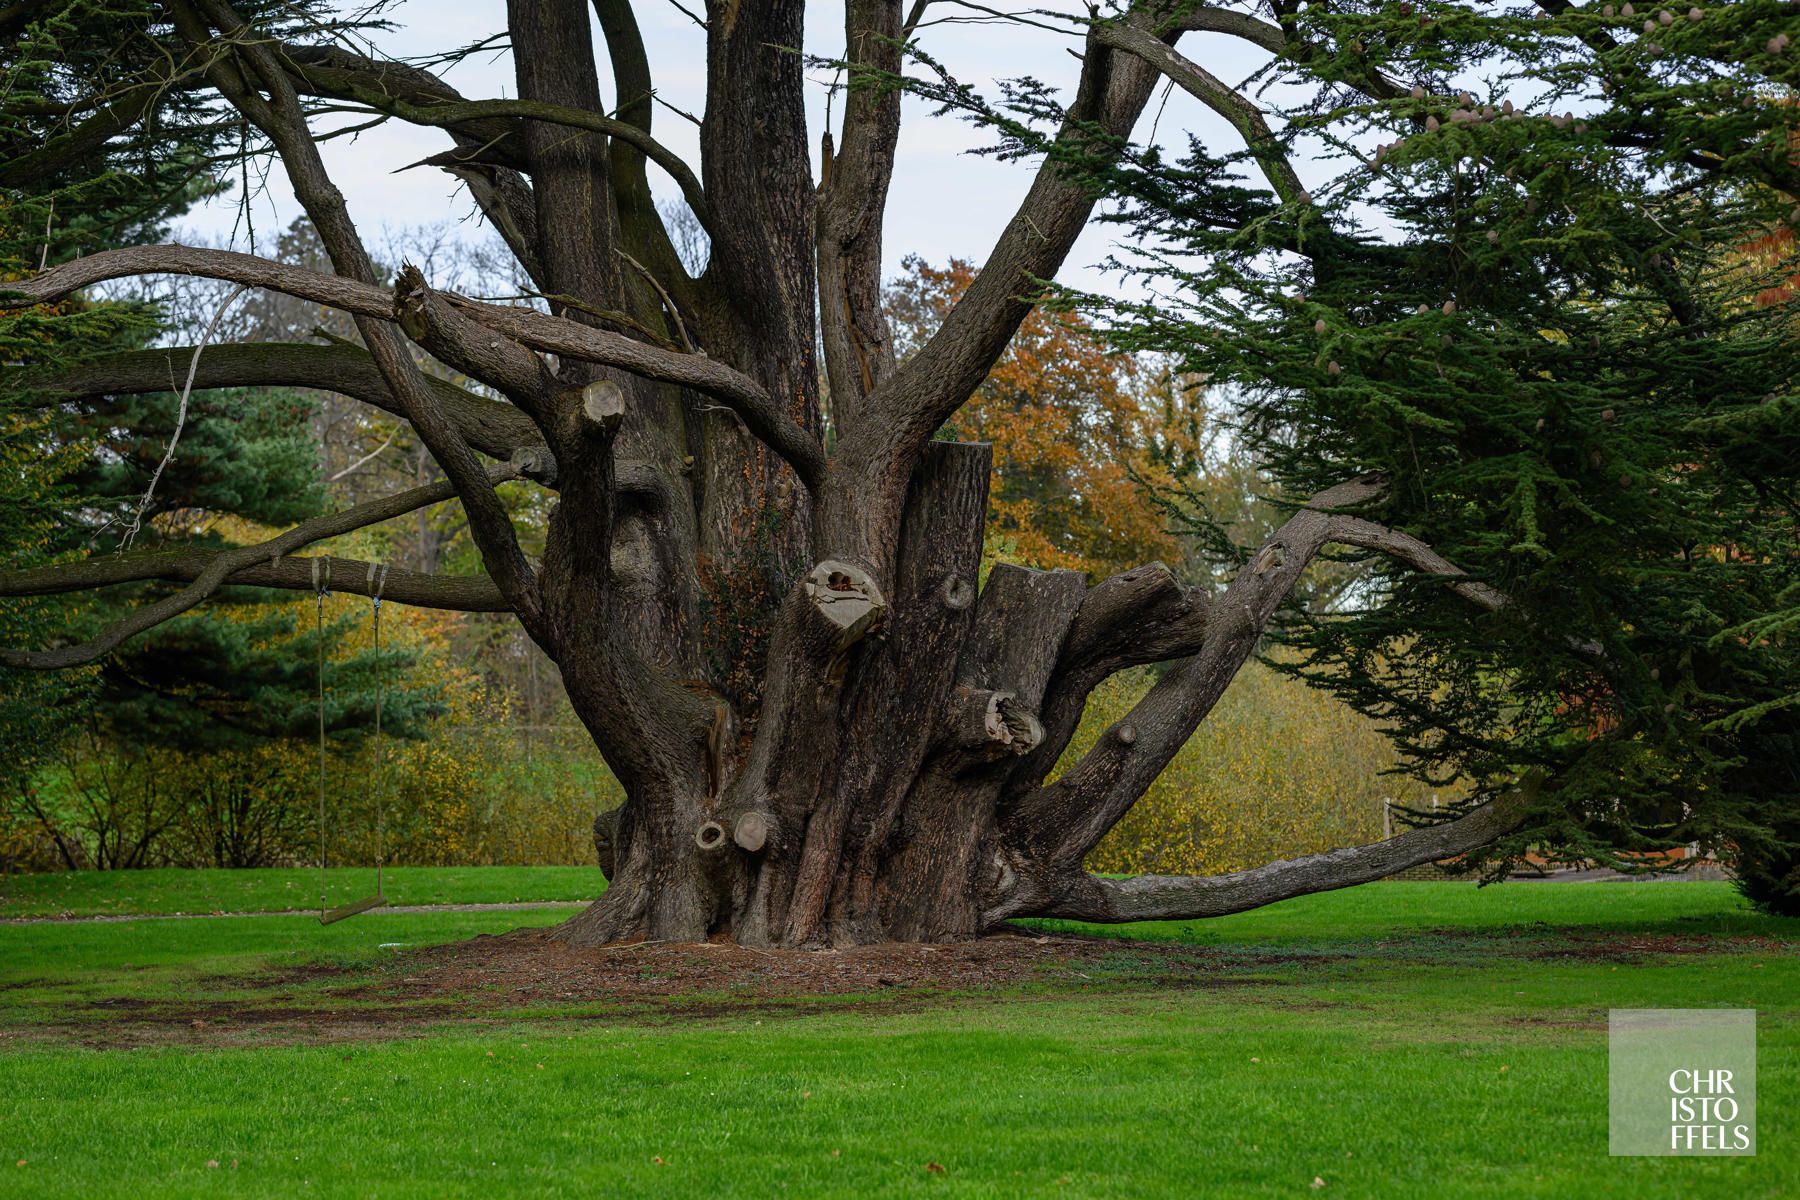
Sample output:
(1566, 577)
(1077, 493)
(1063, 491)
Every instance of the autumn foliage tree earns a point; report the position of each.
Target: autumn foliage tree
(1082, 435)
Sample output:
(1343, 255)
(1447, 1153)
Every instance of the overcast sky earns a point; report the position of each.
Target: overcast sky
(945, 202)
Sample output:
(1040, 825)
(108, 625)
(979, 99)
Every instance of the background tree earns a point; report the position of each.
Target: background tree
(1080, 435)
(771, 629)
(155, 470)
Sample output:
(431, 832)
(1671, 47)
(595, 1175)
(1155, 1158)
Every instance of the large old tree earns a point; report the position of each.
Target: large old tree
(761, 589)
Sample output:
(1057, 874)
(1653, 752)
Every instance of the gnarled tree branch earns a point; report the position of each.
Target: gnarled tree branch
(1144, 615)
(1062, 822)
(540, 331)
(494, 428)
(1186, 897)
(217, 569)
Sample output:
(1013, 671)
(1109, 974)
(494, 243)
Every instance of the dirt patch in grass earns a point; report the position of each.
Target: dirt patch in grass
(533, 968)
(1541, 941)
(1632, 947)
(525, 975)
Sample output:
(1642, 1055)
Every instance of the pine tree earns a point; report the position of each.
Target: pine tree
(98, 156)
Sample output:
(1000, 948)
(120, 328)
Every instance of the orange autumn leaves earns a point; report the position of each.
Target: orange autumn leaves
(1074, 429)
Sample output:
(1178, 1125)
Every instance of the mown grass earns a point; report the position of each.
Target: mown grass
(174, 890)
(1401, 1040)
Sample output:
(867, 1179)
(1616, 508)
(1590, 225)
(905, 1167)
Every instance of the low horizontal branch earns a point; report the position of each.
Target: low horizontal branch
(1182, 897)
(454, 593)
(211, 572)
(448, 593)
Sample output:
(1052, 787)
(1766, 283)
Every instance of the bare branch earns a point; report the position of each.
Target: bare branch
(853, 192)
(1223, 99)
(218, 568)
(540, 331)
(1237, 24)
(452, 593)
(365, 460)
(761, 413)
(460, 113)
(352, 296)
(1357, 531)
(451, 336)
(640, 225)
(494, 428)
(1184, 897)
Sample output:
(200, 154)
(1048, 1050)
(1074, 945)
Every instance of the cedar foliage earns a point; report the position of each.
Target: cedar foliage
(1522, 297)
(1544, 289)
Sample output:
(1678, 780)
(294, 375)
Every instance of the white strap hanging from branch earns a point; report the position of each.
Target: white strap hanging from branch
(187, 389)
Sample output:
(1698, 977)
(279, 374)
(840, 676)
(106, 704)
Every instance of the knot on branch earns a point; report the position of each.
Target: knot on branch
(995, 722)
(534, 462)
(845, 605)
(755, 831)
(710, 836)
(411, 293)
(602, 407)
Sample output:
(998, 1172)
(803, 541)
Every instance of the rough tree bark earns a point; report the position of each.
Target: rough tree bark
(827, 733)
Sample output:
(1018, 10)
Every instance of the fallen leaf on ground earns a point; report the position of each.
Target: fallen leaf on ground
(935, 1168)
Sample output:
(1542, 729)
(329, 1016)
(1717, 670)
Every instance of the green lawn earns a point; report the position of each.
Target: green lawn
(1397, 1040)
(171, 890)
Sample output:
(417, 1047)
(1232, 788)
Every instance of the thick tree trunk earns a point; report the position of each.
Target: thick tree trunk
(901, 794)
(874, 818)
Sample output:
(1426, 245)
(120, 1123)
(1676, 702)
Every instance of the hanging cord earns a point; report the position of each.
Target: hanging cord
(377, 581)
(321, 587)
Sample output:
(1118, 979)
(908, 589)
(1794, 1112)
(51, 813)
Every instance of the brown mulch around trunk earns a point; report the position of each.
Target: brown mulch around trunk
(525, 975)
(535, 968)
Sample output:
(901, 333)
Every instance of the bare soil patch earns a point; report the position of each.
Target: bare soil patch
(1622, 947)
(524, 975)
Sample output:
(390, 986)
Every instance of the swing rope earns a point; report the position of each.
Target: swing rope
(377, 581)
(322, 588)
(321, 585)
